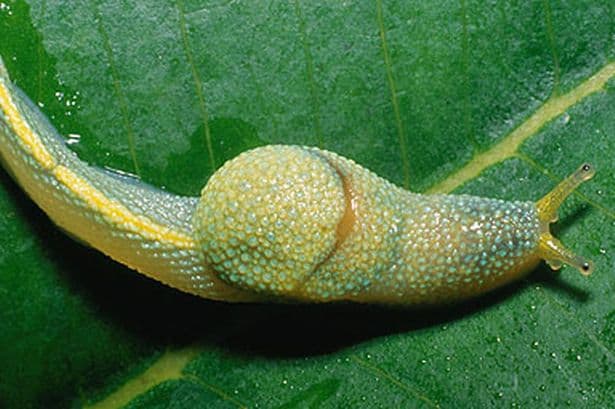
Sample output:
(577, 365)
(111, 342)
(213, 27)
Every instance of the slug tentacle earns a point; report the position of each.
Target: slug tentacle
(549, 248)
(549, 204)
(286, 223)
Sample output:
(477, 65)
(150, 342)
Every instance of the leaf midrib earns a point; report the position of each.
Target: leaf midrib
(509, 145)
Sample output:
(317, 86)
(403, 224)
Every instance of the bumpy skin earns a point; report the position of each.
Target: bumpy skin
(310, 225)
(268, 219)
(143, 227)
(276, 223)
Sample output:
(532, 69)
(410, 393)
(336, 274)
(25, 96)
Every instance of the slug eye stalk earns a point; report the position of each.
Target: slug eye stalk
(550, 248)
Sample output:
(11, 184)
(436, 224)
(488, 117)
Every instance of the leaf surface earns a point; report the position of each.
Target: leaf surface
(500, 100)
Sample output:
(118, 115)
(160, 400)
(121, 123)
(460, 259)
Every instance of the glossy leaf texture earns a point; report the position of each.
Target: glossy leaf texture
(500, 99)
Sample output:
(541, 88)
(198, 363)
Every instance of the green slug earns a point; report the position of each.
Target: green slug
(286, 223)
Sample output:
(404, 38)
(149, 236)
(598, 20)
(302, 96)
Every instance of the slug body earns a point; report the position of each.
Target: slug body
(285, 223)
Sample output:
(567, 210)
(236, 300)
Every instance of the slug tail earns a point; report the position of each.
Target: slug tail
(550, 248)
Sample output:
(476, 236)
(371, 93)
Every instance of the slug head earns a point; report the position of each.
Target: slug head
(549, 248)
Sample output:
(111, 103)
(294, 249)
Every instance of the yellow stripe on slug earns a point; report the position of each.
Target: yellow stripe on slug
(116, 212)
(112, 210)
(32, 143)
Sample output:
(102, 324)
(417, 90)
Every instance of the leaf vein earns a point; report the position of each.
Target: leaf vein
(117, 87)
(551, 39)
(309, 68)
(465, 52)
(407, 388)
(39, 56)
(607, 212)
(509, 145)
(221, 393)
(198, 83)
(591, 336)
(168, 366)
(401, 133)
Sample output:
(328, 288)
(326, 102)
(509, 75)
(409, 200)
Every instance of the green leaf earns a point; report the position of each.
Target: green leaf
(501, 100)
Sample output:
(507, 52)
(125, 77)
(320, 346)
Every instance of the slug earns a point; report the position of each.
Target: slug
(286, 223)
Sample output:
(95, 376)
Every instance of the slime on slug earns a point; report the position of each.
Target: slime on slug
(286, 223)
